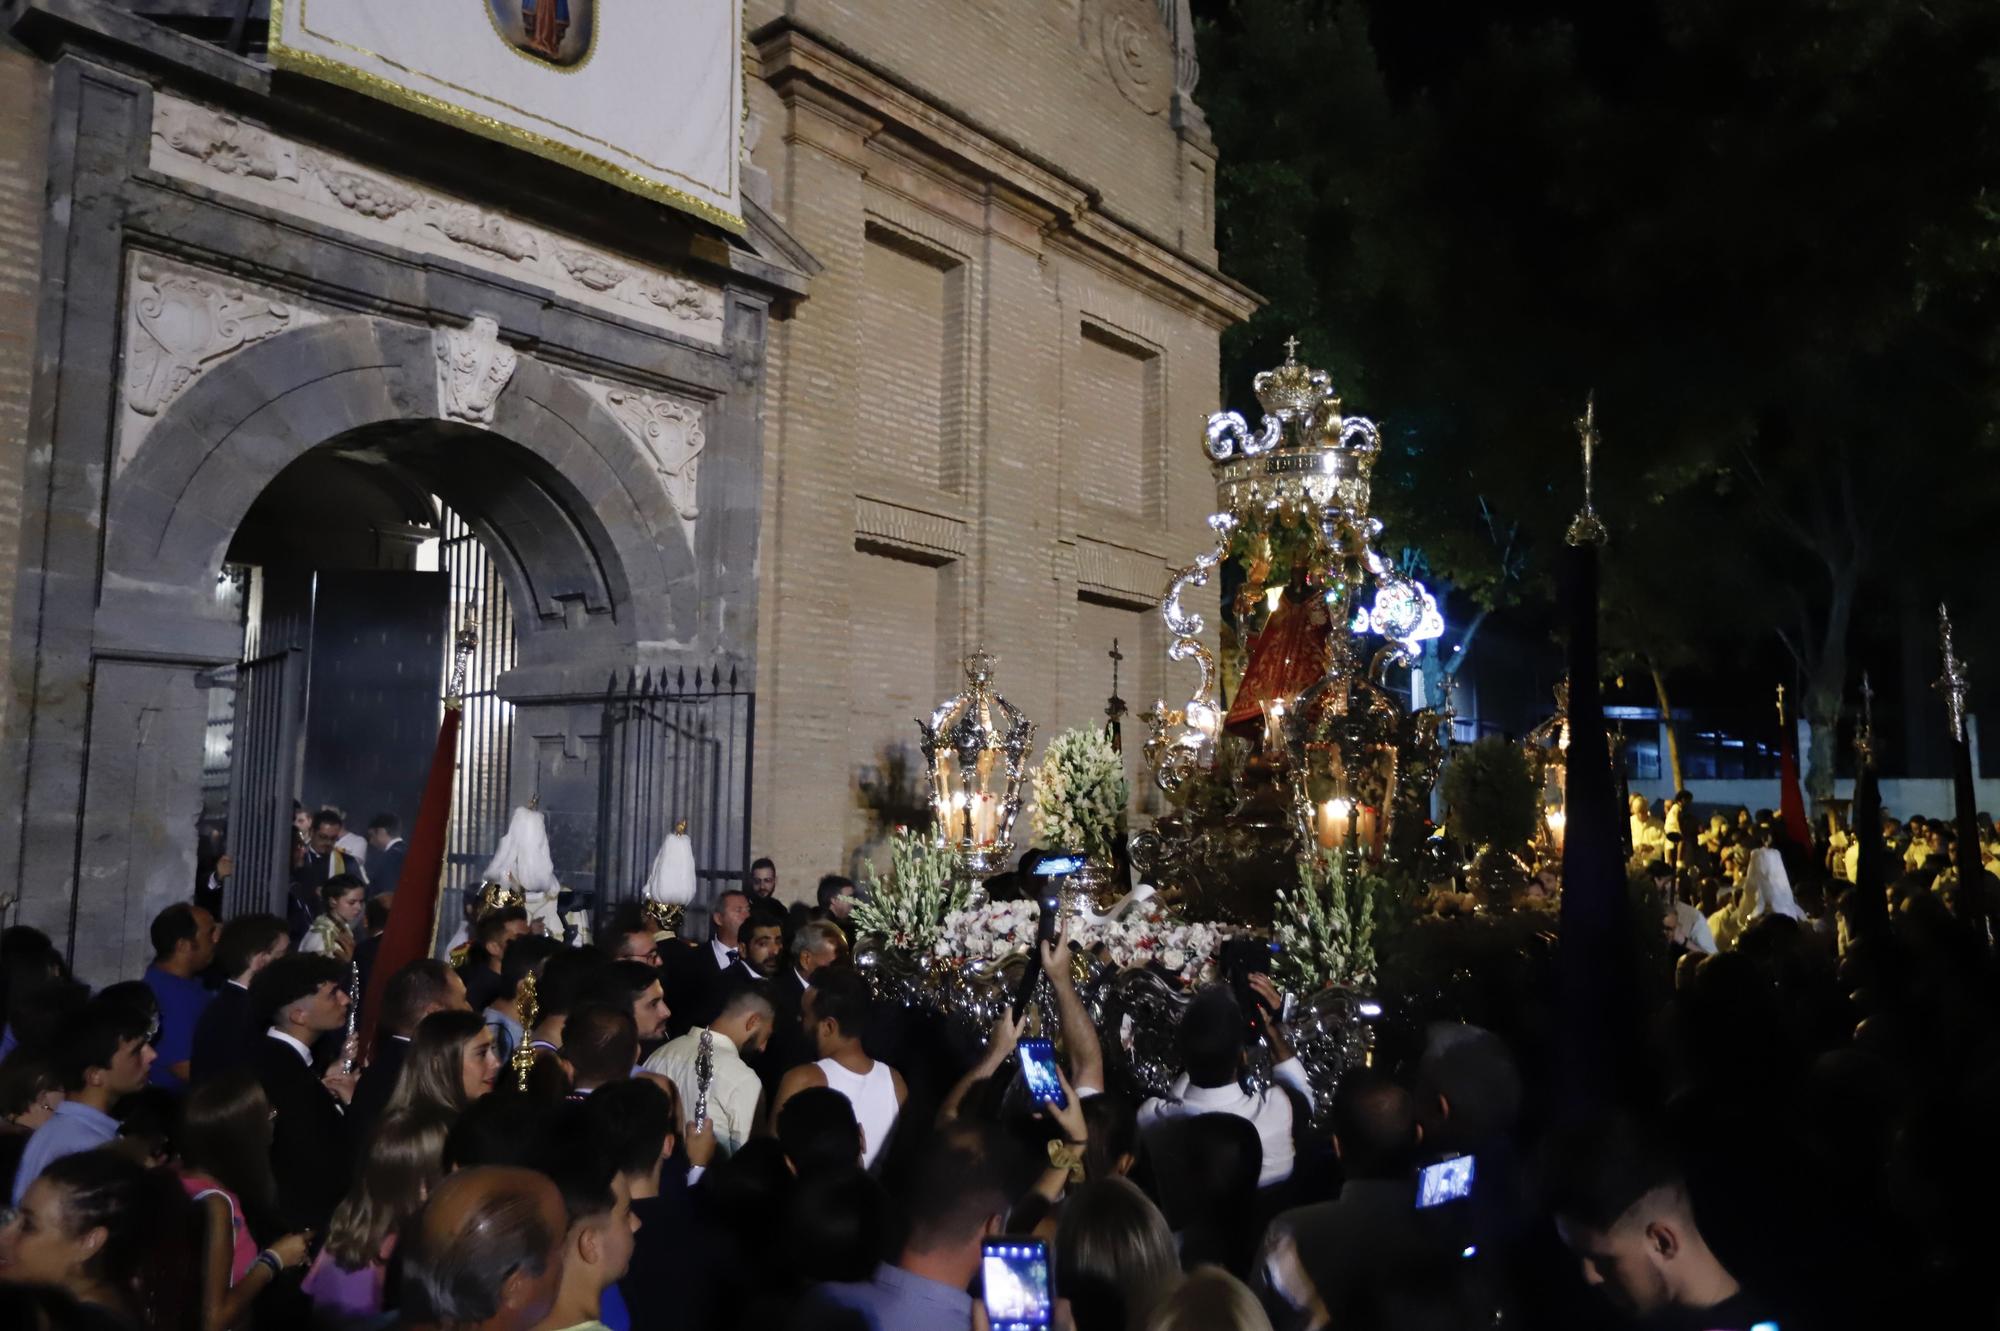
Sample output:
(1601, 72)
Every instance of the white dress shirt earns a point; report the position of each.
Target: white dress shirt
(1270, 1113)
(305, 1054)
(733, 1089)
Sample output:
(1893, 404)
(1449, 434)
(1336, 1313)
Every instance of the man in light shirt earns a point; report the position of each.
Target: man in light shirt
(1211, 1042)
(103, 1057)
(735, 1095)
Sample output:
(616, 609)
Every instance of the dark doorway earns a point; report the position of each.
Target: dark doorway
(352, 578)
(372, 707)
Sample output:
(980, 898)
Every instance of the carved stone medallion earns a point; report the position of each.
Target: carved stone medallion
(671, 433)
(1137, 52)
(474, 366)
(182, 323)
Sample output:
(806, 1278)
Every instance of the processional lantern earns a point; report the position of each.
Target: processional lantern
(975, 748)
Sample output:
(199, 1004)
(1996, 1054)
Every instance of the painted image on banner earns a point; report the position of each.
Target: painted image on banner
(556, 31)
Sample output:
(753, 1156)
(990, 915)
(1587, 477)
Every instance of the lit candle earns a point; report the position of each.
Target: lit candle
(1274, 726)
(985, 819)
(1368, 831)
(1332, 829)
(1558, 824)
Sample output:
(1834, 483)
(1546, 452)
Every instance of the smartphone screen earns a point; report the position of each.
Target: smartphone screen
(1038, 1069)
(1015, 1276)
(1053, 865)
(1446, 1181)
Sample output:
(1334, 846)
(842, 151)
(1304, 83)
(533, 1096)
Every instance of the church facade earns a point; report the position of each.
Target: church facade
(292, 379)
(255, 323)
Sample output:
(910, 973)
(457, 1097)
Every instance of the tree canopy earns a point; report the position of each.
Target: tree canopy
(1764, 234)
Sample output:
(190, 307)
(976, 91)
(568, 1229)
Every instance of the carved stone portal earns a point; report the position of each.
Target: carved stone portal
(181, 324)
(473, 369)
(671, 433)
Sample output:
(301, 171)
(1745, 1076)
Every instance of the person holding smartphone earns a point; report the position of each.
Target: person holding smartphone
(1213, 1055)
(956, 1201)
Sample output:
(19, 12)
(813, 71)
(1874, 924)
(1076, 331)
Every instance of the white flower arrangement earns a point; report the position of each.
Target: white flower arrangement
(1325, 924)
(1080, 793)
(924, 887)
(1144, 935)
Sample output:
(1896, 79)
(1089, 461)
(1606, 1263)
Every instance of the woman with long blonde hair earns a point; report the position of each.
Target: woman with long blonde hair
(451, 1063)
(405, 1160)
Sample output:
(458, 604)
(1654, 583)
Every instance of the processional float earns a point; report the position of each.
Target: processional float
(1308, 755)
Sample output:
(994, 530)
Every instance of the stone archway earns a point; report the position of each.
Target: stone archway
(554, 472)
(587, 533)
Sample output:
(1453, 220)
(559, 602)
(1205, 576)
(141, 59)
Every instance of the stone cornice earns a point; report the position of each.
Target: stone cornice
(800, 64)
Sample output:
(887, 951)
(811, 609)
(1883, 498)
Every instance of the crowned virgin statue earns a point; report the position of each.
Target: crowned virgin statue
(1285, 656)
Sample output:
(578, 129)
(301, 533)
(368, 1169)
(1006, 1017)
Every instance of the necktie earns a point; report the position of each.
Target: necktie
(731, 952)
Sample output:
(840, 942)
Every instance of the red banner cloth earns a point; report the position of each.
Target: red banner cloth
(412, 929)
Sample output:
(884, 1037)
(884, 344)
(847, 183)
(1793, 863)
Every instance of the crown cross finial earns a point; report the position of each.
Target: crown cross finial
(1291, 351)
(1586, 528)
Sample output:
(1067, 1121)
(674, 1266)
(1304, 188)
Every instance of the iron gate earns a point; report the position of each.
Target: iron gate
(675, 747)
(482, 791)
(264, 741)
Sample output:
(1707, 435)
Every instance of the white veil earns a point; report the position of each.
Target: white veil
(1768, 888)
(671, 883)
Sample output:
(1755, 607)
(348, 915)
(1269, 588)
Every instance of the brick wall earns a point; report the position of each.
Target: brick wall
(24, 87)
(1084, 84)
(983, 427)
(911, 313)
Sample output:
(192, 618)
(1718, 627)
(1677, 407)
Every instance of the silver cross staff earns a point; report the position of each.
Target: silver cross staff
(1953, 684)
(351, 1048)
(704, 1072)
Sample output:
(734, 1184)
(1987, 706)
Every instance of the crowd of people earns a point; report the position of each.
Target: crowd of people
(732, 1131)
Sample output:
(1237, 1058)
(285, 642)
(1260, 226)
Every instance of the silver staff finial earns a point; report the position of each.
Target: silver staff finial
(1586, 528)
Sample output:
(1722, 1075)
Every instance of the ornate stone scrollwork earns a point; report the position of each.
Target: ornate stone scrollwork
(671, 432)
(677, 295)
(474, 366)
(225, 144)
(181, 324)
(593, 270)
(367, 195)
(481, 230)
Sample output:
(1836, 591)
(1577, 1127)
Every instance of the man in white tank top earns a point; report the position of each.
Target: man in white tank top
(834, 1012)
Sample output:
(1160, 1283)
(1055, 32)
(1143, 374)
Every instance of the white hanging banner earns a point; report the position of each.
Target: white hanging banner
(647, 94)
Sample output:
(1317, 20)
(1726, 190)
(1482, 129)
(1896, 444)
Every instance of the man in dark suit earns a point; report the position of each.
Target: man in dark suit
(321, 860)
(764, 903)
(385, 853)
(413, 993)
(311, 1139)
(228, 1029)
(817, 944)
